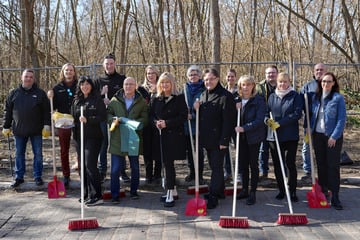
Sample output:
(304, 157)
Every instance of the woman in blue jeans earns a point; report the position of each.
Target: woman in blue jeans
(128, 114)
(327, 122)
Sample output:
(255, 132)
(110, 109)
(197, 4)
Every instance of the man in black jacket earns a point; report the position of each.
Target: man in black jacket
(27, 112)
(108, 84)
(217, 123)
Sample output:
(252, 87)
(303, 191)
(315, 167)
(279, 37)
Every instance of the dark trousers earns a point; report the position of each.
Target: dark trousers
(169, 172)
(328, 162)
(64, 140)
(92, 179)
(288, 154)
(191, 159)
(216, 161)
(248, 157)
(152, 171)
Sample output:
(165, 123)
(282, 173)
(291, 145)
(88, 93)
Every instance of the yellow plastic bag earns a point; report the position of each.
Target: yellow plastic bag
(63, 120)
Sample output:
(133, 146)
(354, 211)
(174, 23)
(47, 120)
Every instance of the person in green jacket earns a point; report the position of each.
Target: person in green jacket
(127, 113)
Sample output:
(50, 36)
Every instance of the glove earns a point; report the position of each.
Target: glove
(46, 131)
(306, 138)
(272, 124)
(114, 124)
(6, 132)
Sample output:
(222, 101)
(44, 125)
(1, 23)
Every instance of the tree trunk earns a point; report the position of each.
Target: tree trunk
(216, 32)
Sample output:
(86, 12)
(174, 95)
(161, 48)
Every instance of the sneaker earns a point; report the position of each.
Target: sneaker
(169, 204)
(293, 197)
(94, 202)
(17, 182)
(134, 196)
(125, 177)
(115, 200)
(39, 181)
(66, 181)
(85, 200)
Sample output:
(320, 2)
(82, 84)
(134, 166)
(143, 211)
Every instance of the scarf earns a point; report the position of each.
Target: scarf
(282, 93)
(194, 87)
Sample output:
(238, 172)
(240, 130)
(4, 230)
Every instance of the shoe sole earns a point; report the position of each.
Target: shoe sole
(99, 202)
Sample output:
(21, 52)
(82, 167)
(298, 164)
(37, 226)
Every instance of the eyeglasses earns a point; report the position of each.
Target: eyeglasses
(325, 81)
(69, 92)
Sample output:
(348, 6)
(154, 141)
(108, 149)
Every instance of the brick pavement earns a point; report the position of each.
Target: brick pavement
(29, 214)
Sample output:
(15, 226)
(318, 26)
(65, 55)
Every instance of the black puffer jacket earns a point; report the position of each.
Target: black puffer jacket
(114, 82)
(27, 111)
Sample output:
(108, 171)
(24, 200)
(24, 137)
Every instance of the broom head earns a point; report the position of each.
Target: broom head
(233, 222)
(292, 219)
(316, 198)
(83, 223)
(107, 194)
(196, 207)
(229, 191)
(202, 189)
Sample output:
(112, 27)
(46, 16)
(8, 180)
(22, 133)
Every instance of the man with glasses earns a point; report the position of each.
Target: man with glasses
(310, 87)
(265, 88)
(217, 123)
(108, 84)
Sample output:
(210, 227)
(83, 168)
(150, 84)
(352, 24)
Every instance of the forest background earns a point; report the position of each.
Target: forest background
(246, 35)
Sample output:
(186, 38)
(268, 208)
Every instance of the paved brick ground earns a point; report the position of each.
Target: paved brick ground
(28, 214)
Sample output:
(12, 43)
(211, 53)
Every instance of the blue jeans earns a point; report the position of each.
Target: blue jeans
(305, 153)
(20, 145)
(264, 157)
(117, 165)
(103, 149)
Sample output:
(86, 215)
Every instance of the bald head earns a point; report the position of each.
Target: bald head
(319, 70)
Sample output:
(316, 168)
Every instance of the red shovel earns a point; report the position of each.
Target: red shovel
(196, 206)
(56, 189)
(316, 198)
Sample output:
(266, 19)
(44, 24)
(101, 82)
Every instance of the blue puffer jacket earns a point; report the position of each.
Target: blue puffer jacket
(334, 114)
(252, 119)
(287, 112)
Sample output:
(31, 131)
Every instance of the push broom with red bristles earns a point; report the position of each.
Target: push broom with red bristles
(82, 223)
(316, 198)
(202, 188)
(235, 222)
(287, 218)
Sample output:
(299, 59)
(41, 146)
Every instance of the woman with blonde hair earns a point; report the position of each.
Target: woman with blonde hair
(148, 91)
(168, 112)
(252, 132)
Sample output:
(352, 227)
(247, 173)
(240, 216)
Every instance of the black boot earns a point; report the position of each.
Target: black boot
(293, 196)
(244, 193)
(335, 201)
(251, 199)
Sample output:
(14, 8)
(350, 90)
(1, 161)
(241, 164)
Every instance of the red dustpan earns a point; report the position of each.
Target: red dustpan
(56, 189)
(196, 206)
(316, 198)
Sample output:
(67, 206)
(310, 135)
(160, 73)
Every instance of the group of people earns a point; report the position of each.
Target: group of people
(157, 120)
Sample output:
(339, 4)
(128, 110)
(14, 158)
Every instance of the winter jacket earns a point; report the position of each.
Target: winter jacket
(174, 111)
(287, 112)
(138, 111)
(252, 119)
(27, 111)
(64, 96)
(334, 114)
(94, 111)
(264, 89)
(217, 117)
(114, 82)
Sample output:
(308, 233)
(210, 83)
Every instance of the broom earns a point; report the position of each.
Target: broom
(235, 222)
(316, 198)
(82, 223)
(191, 189)
(287, 218)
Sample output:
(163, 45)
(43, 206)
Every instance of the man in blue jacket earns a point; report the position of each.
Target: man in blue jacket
(27, 112)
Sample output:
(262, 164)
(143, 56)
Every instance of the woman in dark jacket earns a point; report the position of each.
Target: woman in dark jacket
(168, 112)
(286, 106)
(252, 133)
(148, 91)
(94, 114)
